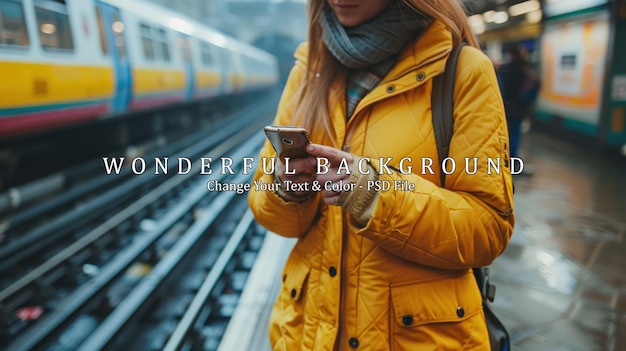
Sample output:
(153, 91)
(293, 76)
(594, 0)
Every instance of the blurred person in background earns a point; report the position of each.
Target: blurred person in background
(520, 87)
(376, 268)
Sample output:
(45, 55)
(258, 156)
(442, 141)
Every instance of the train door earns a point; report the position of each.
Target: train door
(114, 31)
(184, 43)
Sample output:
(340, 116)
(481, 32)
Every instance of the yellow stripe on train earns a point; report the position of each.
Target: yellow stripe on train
(27, 84)
(155, 80)
(208, 79)
(236, 79)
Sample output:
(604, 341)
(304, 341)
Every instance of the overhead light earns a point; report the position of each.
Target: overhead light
(500, 17)
(479, 29)
(524, 7)
(489, 16)
(534, 16)
(477, 23)
(476, 20)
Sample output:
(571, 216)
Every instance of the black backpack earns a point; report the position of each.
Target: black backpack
(442, 102)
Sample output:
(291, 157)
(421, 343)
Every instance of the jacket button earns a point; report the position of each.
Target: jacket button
(353, 342)
(421, 76)
(332, 271)
(460, 312)
(391, 88)
(407, 320)
(294, 292)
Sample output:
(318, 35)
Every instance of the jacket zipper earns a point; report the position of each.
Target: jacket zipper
(339, 345)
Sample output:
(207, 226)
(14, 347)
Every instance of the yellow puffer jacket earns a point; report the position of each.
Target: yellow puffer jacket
(403, 282)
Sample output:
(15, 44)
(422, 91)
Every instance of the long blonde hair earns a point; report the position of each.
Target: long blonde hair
(315, 99)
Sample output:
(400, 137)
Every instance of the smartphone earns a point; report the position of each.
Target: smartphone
(288, 141)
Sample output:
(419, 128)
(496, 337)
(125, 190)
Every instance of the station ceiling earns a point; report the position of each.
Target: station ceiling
(498, 15)
(480, 6)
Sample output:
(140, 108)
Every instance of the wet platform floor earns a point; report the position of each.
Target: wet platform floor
(561, 283)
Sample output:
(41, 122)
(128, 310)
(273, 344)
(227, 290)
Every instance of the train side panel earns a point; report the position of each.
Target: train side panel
(157, 70)
(68, 61)
(59, 74)
(235, 73)
(206, 52)
(259, 68)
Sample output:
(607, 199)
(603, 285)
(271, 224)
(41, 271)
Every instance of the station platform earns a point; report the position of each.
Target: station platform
(560, 283)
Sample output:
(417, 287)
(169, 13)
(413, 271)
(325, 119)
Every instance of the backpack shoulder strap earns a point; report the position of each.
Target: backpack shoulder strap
(442, 101)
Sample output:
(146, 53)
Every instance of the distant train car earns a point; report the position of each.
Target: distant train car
(65, 62)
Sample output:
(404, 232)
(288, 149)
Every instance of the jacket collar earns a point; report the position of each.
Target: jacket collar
(431, 47)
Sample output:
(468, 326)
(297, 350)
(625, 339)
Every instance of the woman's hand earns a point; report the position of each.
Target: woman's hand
(296, 175)
(338, 171)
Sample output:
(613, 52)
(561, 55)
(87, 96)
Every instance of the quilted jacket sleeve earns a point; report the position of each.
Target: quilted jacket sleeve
(469, 223)
(290, 219)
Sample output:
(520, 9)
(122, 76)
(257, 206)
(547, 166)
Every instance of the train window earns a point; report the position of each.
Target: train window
(54, 25)
(103, 38)
(165, 51)
(12, 23)
(185, 47)
(205, 52)
(118, 34)
(148, 45)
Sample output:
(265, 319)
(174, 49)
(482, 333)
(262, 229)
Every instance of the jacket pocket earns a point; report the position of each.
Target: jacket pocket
(443, 314)
(287, 318)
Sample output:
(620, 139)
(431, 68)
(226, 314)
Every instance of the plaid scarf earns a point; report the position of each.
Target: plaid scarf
(369, 50)
(361, 82)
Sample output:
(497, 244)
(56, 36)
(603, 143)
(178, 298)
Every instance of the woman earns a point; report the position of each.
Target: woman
(377, 268)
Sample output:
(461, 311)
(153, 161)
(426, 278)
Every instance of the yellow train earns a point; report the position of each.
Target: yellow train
(65, 62)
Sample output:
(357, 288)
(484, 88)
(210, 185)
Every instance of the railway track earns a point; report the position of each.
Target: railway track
(147, 260)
